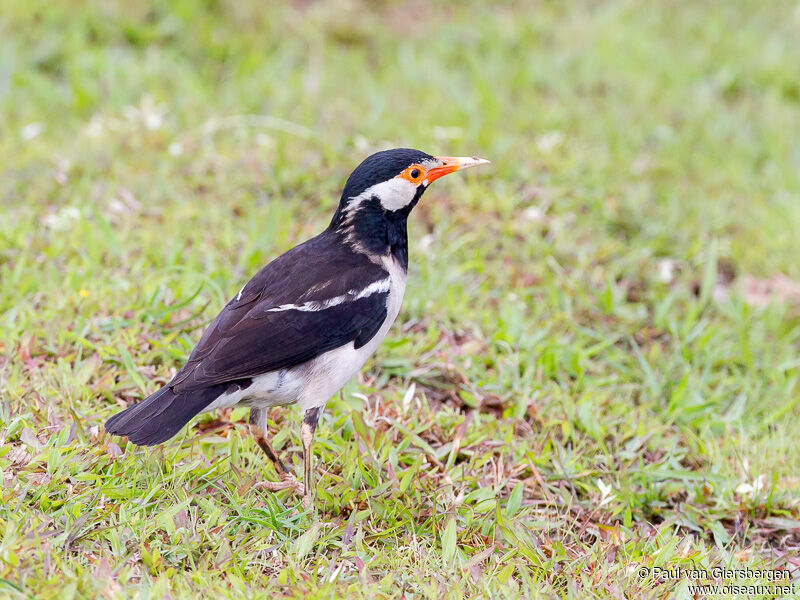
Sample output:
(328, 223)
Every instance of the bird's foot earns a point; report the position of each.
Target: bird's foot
(287, 482)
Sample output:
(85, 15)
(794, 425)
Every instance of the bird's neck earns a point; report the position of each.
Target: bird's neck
(367, 227)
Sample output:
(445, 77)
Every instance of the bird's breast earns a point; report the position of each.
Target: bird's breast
(397, 287)
(329, 372)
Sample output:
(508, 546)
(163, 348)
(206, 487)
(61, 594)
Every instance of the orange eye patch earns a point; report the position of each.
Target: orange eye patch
(414, 174)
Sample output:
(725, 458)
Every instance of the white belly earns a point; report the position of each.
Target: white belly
(329, 372)
(271, 389)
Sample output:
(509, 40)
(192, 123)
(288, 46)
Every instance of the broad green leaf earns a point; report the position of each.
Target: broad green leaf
(303, 545)
(449, 540)
(515, 499)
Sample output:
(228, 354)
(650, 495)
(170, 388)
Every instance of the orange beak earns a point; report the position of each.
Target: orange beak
(451, 164)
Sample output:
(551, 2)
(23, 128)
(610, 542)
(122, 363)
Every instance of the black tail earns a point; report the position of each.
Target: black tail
(160, 416)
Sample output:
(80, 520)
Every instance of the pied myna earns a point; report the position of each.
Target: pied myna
(307, 322)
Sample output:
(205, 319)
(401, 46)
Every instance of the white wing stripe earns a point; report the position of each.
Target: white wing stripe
(380, 286)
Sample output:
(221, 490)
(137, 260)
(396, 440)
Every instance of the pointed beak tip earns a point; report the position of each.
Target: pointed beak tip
(472, 161)
(462, 162)
(451, 164)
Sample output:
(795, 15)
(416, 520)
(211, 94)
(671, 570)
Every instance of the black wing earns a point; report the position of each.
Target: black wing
(280, 318)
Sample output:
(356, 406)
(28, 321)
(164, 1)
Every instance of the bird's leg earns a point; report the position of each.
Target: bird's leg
(307, 430)
(258, 427)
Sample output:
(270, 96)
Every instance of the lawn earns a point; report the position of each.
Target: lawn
(594, 375)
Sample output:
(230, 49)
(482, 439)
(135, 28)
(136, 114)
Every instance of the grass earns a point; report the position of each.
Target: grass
(578, 385)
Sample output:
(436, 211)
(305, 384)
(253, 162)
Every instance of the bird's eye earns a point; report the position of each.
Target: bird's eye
(414, 174)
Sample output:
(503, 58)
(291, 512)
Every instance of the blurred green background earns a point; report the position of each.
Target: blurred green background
(605, 318)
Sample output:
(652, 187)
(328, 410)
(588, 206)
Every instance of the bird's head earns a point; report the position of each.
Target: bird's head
(398, 177)
(387, 185)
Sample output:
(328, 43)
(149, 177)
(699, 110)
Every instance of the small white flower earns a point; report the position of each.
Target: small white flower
(758, 484)
(148, 113)
(549, 141)
(533, 213)
(63, 219)
(153, 121)
(361, 143)
(31, 130)
(95, 126)
(426, 242)
(117, 206)
(606, 493)
(151, 114)
(175, 149)
(262, 139)
(666, 270)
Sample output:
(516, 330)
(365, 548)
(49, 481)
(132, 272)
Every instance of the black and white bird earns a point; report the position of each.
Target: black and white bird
(307, 322)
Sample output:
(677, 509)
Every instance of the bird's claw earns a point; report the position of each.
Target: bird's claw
(287, 482)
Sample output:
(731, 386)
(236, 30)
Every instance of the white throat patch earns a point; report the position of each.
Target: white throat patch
(394, 194)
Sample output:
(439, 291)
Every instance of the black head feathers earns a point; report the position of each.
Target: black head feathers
(380, 167)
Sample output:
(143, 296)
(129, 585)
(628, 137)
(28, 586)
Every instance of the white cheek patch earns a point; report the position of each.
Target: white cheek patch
(394, 194)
